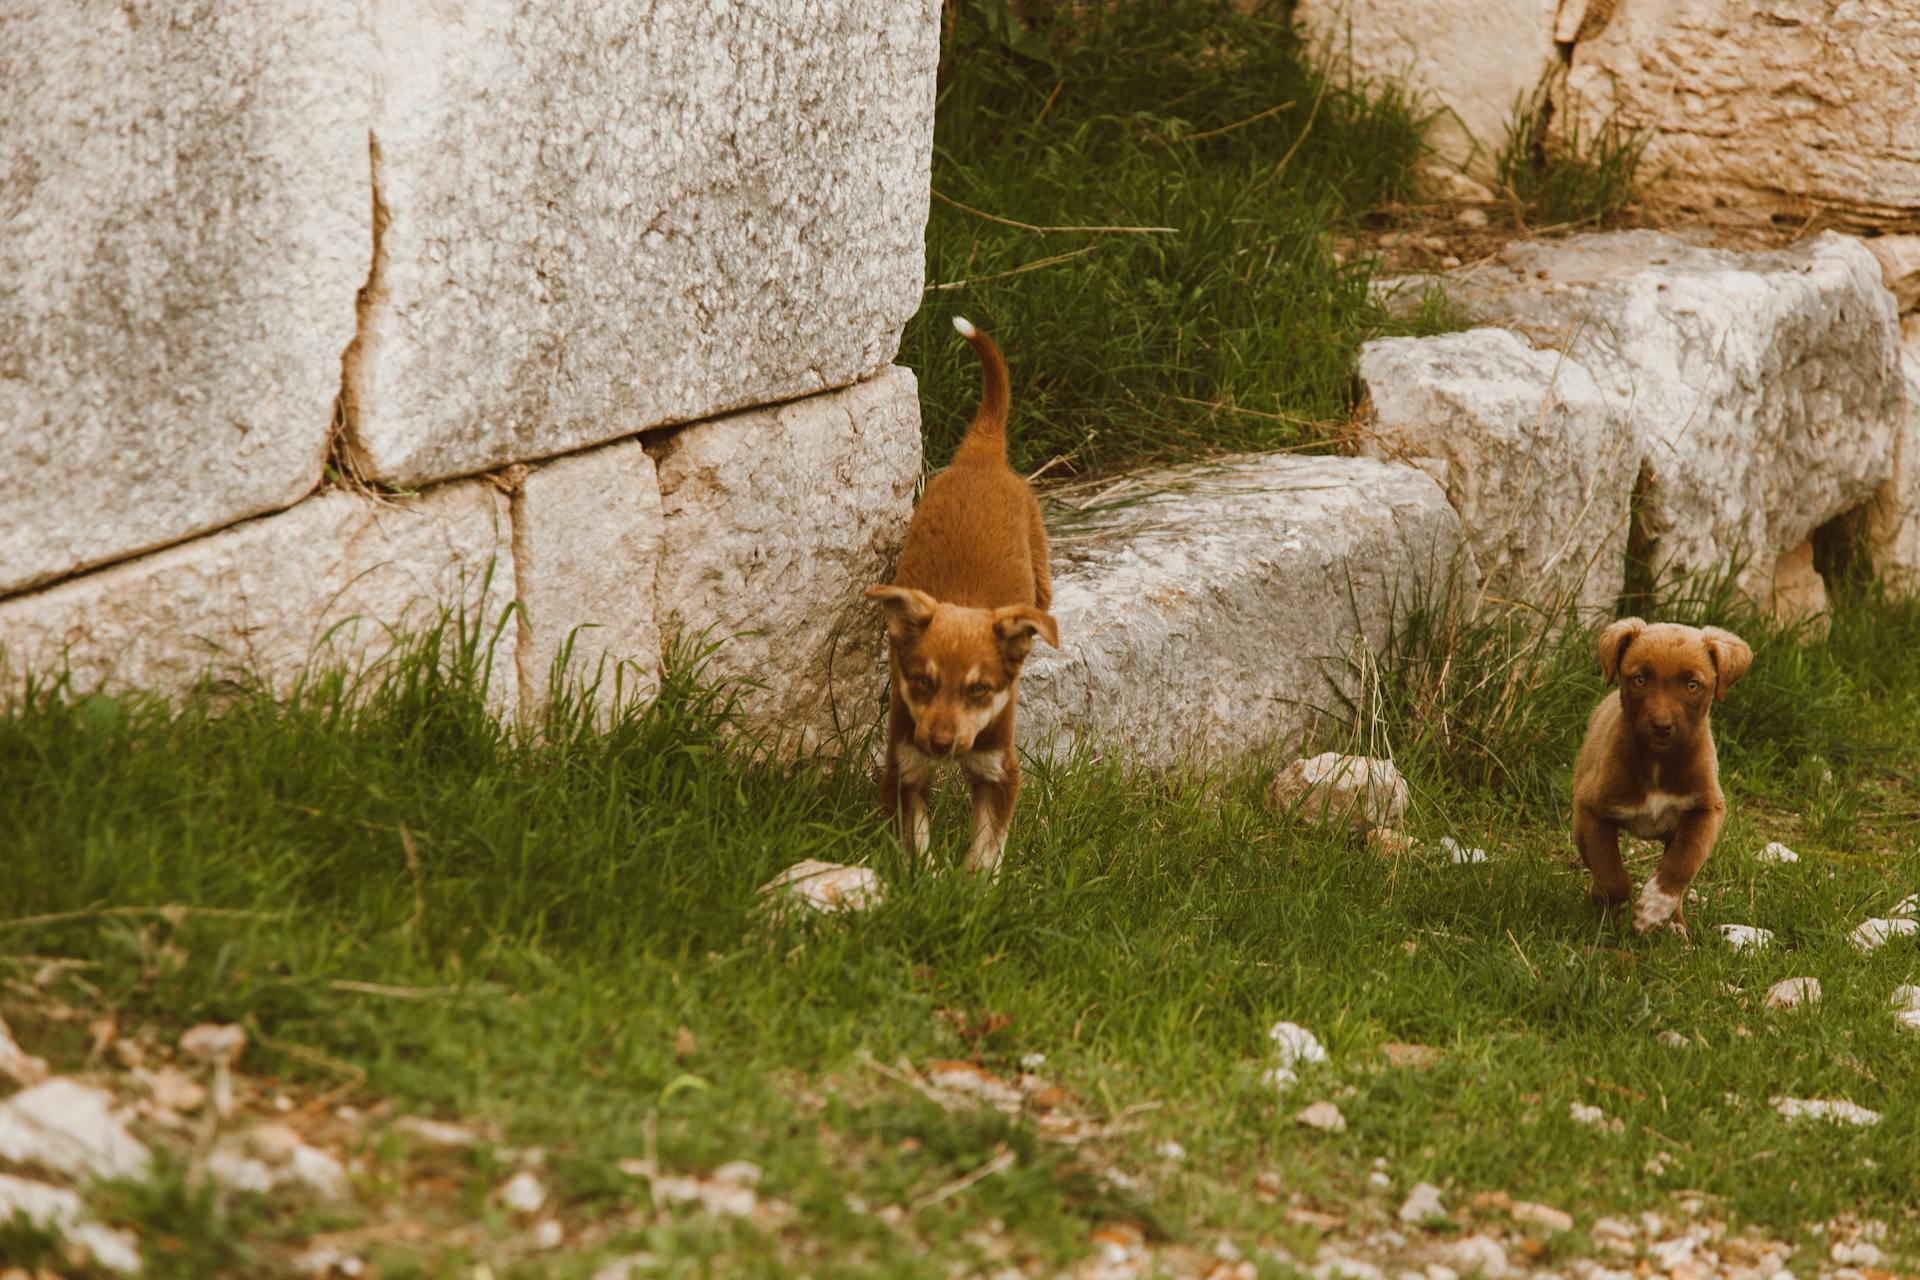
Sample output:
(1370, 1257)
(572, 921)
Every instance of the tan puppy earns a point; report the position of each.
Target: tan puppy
(971, 593)
(1648, 763)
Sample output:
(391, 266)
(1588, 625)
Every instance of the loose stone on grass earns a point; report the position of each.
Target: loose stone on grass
(1906, 1006)
(1324, 1116)
(1878, 931)
(1296, 1047)
(1334, 789)
(1593, 1117)
(1836, 1110)
(61, 1211)
(1423, 1205)
(1460, 855)
(1793, 993)
(1542, 1215)
(69, 1128)
(823, 886)
(523, 1193)
(1776, 854)
(1746, 937)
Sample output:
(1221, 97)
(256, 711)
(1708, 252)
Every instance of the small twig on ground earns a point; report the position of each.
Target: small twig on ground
(416, 993)
(1239, 124)
(1002, 275)
(1305, 129)
(173, 913)
(413, 868)
(1028, 226)
(1003, 1159)
(1523, 956)
(1047, 106)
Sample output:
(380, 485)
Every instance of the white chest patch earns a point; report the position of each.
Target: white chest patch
(988, 766)
(1657, 816)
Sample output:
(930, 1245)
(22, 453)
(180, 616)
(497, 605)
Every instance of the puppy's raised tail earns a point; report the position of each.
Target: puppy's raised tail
(989, 429)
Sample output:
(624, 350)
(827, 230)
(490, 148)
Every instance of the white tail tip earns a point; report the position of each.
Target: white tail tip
(965, 326)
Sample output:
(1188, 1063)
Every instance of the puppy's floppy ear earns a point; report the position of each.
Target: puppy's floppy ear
(1016, 625)
(1731, 657)
(1613, 645)
(909, 610)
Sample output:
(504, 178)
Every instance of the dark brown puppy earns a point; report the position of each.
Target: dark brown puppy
(963, 609)
(1648, 763)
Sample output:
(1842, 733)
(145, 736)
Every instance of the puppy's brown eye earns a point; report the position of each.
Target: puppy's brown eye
(920, 685)
(1640, 682)
(979, 689)
(1693, 686)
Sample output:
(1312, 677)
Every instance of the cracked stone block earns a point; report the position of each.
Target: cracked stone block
(1535, 459)
(1893, 521)
(1760, 112)
(1763, 390)
(1226, 609)
(600, 217)
(328, 580)
(586, 547)
(187, 206)
(1470, 60)
(776, 521)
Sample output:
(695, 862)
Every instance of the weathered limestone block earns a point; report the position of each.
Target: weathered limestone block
(1761, 109)
(1222, 613)
(325, 580)
(187, 216)
(601, 217)
(1893, 523)
(776, 520)
(1331, 789)
(1473, 59)
(1899, 259)
(1763, 389)
(1539, 466)
(586, 547)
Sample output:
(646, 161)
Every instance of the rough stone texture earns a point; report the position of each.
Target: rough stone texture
(1539, 466)
(326, 579)
(1763, 389)
(64, 1213)
(186, 202)
(1799, 592)
(1221, 613)
(586, 548)
(601, 217)
(69, 1128)
(776, 521)
(1356, 791)
(1899, 259)
(1893, 522)
(823, 886)
(1757, 109)
(1473, 59)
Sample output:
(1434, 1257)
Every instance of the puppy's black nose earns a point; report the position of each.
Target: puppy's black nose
(940, 745)
(1662, 728)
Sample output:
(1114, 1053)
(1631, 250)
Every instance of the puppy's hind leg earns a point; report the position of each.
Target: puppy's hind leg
(1599, 843)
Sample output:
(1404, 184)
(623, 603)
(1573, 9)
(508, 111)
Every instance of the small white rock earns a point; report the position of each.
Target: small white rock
(69, 1128)
(17, 1064)
(1793, 993)
(1837, 1110)
(1032, 1061)
(1542, 1215)
(1296, 1044)
(1280, 1079)
(1668, 1254)
(1906, 1006)
(1380, 1181)
(1746, 937)
(1323, 1116)
(1480, 1254)
(1171, 1150)
(824, 886)
(1878, 931)
(549, 1234)
(1674, 1040)
(1423, 1204)
(1331, 788)
(1776, 853)
(1859, 1253)
(1471, 217)
(523, 1193)
(1585, 1113)
(1460, 855)
(436, 1133)
(59, 1210)
(1908, 906)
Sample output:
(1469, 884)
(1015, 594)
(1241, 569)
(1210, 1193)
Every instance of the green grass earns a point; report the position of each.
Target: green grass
(582, 899)
(1579, 174)
(1237, 328)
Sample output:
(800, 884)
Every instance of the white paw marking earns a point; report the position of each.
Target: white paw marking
(1655, 907)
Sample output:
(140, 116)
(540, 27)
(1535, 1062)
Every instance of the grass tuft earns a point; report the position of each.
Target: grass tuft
(1570, 175)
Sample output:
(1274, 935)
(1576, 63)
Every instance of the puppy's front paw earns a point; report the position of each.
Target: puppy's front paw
(1655, 907)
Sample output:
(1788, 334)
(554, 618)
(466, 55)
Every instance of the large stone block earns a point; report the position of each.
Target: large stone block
(1539, 466)
(1893, 525)
(328, 580)
(1222, 612)
(1760, 109)
(776, 521)
(187, 209)
(599, 217)
(1763, 389)
(1473, 60)
(586, 548)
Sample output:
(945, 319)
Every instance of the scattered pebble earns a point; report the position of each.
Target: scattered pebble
(523, 1193)
(1792, 993)
(1878, 931)
(1423, 1205)
(1480, 1254)
(1471, 217)
(549, 1234)
(17, 1064)
(728, 1193)
(1858, 1253)
(1459, 854)
(1334, 789)
(1776, 853)
(1908, 906)
(1296, 1044)
(1323, 1116)
(1380, 1181)
(1033, 1061)
(1906, 1006)
(1594, 1117)
(1542, 1215)
(1838, 1110)
(56, 1209)
(329, 1260)
(1171, 1150)
(1674, 1040)
(437, 1133)
(823, 886)
(1746, 937)
(69, 1128)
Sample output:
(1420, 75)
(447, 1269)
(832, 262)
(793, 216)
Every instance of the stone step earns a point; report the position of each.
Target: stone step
(1220, 610)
